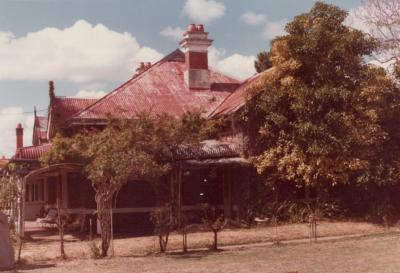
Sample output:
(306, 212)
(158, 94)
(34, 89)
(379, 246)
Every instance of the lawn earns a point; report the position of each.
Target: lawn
(373, 253)
(244, 250)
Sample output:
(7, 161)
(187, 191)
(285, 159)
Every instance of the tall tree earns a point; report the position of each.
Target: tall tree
(317, 117)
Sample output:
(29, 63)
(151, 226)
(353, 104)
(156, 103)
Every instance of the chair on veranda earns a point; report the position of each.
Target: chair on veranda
(77, 224)
(50, 220)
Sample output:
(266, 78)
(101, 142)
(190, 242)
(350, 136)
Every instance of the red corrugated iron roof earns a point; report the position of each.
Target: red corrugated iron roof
(235, 101)
(160, 89)
(66, 107)
(209, 149)
(31, 153)
(205, 150)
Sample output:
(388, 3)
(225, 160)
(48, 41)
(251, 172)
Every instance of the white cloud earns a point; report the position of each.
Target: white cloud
(9, 118)
(174, 33)
(90, 94)
(94, 90)
(273, 29)
(236, 65)
(80, 53)
(252, 18)
(204, 11)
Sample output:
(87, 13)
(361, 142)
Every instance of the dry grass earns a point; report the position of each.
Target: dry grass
(369, 254)
(47, 248)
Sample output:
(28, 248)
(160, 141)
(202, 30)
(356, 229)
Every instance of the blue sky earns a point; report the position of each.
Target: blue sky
(88, 47)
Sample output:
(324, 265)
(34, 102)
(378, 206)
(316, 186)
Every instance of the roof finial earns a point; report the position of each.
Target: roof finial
(34, 111)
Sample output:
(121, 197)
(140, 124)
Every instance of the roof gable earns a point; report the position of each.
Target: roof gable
(66, 107)
(39, 130)
(237, 99)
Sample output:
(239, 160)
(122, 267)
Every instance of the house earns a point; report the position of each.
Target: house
(180, 82)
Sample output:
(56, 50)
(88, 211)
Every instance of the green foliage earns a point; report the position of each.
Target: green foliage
(64, 150)
(9, 192)
(263, 61)
(164, 223)
(321, 116)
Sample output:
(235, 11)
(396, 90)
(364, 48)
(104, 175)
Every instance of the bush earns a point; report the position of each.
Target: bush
(94, 250)
(164, 223)
(215, 221)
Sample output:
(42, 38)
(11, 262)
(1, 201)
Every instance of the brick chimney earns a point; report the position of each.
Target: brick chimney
(20, 136)
(51, 91)
(195, 44)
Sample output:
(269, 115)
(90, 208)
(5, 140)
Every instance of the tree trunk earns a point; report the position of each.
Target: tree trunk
(163, 241)
(60, 225)
(184, 239)
(20, 242)
(61, 230)
(104, 213)
(215, 247)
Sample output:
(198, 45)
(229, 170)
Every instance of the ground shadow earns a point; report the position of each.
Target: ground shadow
(27, 267)
(193, 254)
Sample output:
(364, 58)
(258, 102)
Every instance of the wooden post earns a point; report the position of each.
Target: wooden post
(91, 227)
(64, 188)
(23, 182)
(112, 231)
(226, 193)
(179, 195)
(21, 224)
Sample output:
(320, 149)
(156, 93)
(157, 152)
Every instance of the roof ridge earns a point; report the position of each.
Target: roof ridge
(77, 98)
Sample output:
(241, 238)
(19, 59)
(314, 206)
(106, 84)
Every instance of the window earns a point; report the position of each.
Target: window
(34, 192)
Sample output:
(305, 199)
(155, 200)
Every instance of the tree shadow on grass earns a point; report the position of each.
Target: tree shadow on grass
(193, 254)
(22, 267)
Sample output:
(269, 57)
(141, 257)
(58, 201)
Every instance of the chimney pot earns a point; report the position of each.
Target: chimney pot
(200, 27)
(191, 28)
(148, 64)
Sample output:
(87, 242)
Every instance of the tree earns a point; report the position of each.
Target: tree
(9, 193)
(382, 18)
(215, 221)
(317, 118)
(143, 148)
(163, 225)
(263, 62)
